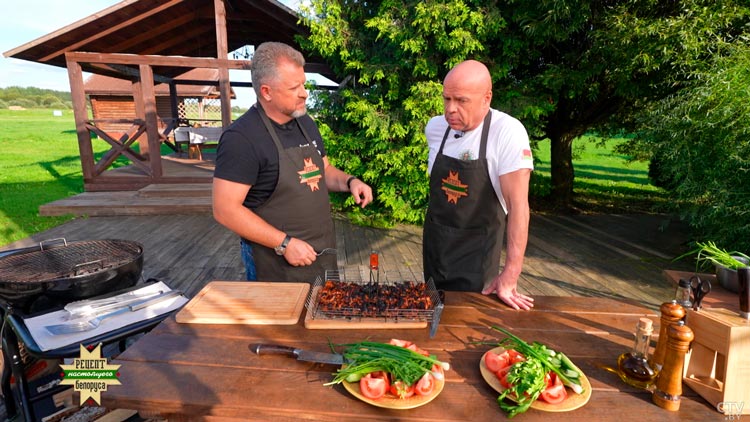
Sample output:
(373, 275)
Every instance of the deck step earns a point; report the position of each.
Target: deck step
(182, 190)
(125, 203)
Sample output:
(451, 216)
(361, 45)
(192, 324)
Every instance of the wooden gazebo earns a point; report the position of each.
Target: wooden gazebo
(112, 99)
(149, 42)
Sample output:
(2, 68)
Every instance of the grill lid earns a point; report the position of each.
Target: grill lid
(72, 260)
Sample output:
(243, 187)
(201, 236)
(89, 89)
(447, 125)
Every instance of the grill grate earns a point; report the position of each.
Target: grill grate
(392, 299)
(74, 259)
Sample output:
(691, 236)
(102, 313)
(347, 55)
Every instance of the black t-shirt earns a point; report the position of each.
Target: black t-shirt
(247, 154)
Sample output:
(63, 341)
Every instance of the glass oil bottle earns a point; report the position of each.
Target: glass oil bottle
(633, 366)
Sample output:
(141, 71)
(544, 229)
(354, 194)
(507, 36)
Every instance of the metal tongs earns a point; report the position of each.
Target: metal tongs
(94, 322)
(95, 307)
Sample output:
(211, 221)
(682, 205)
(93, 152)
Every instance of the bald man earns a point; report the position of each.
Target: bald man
(480, 164)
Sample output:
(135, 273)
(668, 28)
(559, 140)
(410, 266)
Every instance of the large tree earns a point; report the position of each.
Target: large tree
(562, 67)
(699, 144)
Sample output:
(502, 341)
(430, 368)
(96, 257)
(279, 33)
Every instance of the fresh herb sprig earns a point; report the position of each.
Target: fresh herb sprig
(527, 381)
(553, 361)
(403, 364)
(708, 252)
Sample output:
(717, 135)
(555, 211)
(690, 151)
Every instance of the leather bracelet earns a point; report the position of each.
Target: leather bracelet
(349, 182)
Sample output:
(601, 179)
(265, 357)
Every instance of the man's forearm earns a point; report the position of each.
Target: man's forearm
(518, 235)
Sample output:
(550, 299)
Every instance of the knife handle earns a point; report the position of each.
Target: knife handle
(277, 349)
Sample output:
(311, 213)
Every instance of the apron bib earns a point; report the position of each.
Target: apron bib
(463, 231)
(300, 207)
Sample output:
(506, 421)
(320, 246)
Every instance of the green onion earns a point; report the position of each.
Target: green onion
(403, 364)
(537, 351)
(709, 253)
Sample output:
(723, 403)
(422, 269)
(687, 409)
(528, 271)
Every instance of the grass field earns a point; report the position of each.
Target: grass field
(605, 181)
(39, 163)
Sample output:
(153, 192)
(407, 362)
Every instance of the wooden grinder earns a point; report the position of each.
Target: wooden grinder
(671, 313)
(669, 382)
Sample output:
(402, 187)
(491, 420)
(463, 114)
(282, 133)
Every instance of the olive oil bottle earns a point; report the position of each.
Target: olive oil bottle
(633, 366)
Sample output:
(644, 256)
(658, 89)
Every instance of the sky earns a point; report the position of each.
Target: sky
(27, 20)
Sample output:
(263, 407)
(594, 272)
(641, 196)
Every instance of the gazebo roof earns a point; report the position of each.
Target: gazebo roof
(169, 28)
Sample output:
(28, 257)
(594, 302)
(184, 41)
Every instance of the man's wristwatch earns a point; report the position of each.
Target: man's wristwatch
(282, 248)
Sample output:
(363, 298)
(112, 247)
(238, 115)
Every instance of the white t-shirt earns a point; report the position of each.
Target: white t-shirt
(508, 146)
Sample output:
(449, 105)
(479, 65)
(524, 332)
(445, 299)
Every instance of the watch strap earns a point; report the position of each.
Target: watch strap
(349, 182)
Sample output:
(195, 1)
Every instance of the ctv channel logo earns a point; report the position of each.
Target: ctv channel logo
(731, 409)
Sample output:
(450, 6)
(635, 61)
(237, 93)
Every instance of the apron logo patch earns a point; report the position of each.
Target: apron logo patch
(310, 174)
(453, 187)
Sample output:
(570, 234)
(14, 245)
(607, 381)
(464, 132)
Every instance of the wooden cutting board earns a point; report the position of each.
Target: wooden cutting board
(360, 323)
(246, 302)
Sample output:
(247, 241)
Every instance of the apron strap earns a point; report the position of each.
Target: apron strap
(272, 131)
(485, 133)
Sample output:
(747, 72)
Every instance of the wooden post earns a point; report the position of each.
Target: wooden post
(173, 100)
(222, 52)
(153, 149)
(78, 95)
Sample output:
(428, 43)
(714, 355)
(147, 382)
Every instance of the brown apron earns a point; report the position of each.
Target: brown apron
(300, 207)
(463, 231)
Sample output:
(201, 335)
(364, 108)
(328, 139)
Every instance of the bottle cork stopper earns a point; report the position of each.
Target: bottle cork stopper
(645, 324)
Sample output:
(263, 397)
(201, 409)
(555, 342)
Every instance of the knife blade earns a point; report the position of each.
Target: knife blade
(300, 354)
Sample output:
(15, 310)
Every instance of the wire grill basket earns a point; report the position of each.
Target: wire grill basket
(387, 296)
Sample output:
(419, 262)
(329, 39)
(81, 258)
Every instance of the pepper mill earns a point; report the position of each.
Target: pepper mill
(669, 383)
(671, 313)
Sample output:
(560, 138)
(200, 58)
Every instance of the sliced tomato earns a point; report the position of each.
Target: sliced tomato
(515, 356)
(373, 387)
(425, 385)
(383, 375)
(555, 392)
(401, 390)
(502, 376)
(437, 371)
(400, 343)
(495, 362)
(416, 348)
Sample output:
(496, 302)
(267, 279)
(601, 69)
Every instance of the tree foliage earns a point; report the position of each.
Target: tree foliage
(699, 139)
(563, 67)
(31, 97)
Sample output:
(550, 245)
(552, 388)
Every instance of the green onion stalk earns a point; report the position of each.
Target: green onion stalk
(403, 364)
(708, 252)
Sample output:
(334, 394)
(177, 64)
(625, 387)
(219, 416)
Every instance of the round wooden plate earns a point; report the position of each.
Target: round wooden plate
(574, 401)
(389, 401)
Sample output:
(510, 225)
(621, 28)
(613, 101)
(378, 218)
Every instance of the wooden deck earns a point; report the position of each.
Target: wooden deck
(191, 196)
(617, 256)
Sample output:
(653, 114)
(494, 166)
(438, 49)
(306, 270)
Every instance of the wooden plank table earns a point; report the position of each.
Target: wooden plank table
(201, 371)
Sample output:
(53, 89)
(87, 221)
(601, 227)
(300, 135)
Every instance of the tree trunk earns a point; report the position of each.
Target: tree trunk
(561, 167)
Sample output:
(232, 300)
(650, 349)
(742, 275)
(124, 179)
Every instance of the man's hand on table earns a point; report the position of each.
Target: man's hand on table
(505, 286)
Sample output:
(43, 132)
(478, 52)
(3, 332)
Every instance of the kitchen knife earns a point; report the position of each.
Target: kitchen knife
(300, 354)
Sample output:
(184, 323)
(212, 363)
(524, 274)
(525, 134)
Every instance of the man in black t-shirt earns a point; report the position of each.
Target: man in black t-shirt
(272, 176)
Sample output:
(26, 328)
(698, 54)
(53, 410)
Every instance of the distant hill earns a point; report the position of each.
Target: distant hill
(31, 97)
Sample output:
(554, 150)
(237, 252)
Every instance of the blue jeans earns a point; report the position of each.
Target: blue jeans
(246, 250)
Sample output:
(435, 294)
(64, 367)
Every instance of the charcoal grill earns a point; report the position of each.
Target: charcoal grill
(63, 271)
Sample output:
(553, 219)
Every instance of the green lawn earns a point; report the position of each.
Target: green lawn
(39, 163)
(605, 181)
